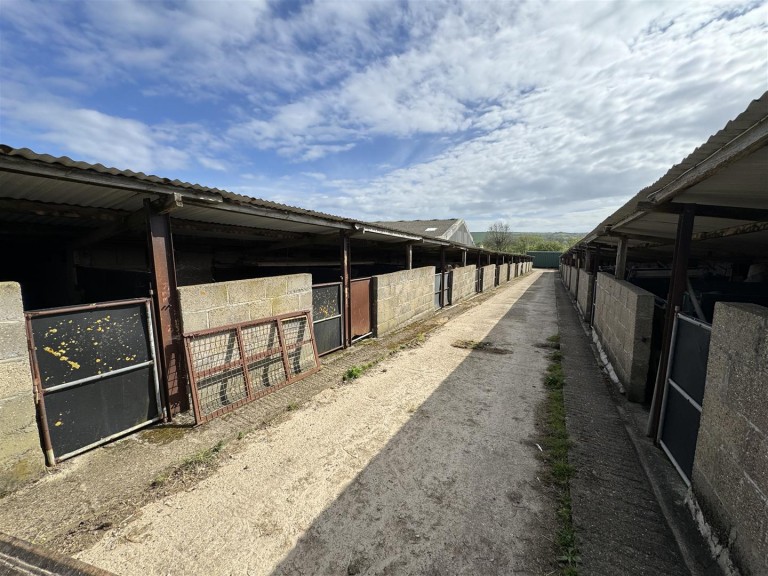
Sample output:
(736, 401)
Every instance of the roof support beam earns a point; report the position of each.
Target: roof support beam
(18, 206)
(195, 228)
(643, 237)
(275, 214)
(733, 231)
(130, 222)
(707, 210)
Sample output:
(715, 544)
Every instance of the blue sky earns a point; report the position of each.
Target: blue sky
(544, 115)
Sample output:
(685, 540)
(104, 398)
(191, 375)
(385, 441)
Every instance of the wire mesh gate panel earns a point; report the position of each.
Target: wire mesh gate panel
(235, 364)
(95, 371)
(684, 392)
(327, 317)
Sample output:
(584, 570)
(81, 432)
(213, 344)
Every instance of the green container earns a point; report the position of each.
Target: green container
(545, 259)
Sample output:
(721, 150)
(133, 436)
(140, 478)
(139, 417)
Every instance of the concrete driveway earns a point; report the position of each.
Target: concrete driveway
(427, 464)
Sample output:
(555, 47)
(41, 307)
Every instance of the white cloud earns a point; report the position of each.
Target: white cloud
(546, 114)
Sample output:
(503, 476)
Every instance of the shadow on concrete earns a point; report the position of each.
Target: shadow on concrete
(455, 491)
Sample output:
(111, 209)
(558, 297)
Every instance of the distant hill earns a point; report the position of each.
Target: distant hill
(567, 238)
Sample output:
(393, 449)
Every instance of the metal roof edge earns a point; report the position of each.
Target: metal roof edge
(707, 159)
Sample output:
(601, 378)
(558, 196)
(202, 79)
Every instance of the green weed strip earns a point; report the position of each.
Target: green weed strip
(556, 445)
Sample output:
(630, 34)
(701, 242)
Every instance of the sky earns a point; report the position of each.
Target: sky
(546, 116)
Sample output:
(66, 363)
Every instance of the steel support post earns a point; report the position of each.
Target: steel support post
(621, 258)
(409, 256)
(443, 290)
(167, 311)
(346, 285)
(677, 286)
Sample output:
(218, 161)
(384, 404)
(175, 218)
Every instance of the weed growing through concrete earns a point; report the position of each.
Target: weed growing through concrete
(191, 466)
(556, 446)
(291, 407)
(357, 371)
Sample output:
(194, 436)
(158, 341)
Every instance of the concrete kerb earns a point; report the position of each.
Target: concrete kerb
(670, 492)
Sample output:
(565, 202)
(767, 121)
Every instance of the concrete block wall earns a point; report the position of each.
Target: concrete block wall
(586, 290)
(489, 274)
(403, 297)
(573, 288)
(463, 283)
(730, 469)
(624, 322)
(504, 273)
(213, 305)
(21, 457)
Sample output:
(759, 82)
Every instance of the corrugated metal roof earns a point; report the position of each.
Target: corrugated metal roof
(67, 162)
(27, 175)
(741, 183)
(432, 228)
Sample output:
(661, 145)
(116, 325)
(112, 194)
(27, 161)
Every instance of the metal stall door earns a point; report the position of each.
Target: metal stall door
(684, 392)
(360, 303)
(447, 291)
(327, 317)
(438, 289)
(479, 280)
(95, 371)
(497, 275)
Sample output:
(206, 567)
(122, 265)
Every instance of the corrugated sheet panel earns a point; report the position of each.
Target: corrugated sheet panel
(755, 113)
(545, 259)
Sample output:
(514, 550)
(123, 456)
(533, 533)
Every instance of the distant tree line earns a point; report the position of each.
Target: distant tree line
(499, 237)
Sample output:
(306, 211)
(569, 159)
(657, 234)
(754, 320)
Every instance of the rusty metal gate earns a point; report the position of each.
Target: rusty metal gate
(95, 372)
(235, 364)
(360, 304)
(684, 392)
(328, 317)
(479, 280)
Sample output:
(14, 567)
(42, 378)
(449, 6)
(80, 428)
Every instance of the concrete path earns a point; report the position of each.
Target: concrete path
(620, 528)
(425, 465)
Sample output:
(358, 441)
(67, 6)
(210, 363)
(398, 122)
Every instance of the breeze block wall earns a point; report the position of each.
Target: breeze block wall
(586, 289)
(214, 305)
(21, 457)
(403, 297)
(463, 282)
(730, 469)
(624, 322)
(574, 287)
(489, 273)
(503, 272)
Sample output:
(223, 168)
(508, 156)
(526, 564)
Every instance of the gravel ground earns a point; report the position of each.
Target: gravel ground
(427, 464)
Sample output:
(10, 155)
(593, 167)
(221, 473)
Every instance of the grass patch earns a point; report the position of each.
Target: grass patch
(292, 406)
(357, 371)
(191, 466)
(556, 445)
